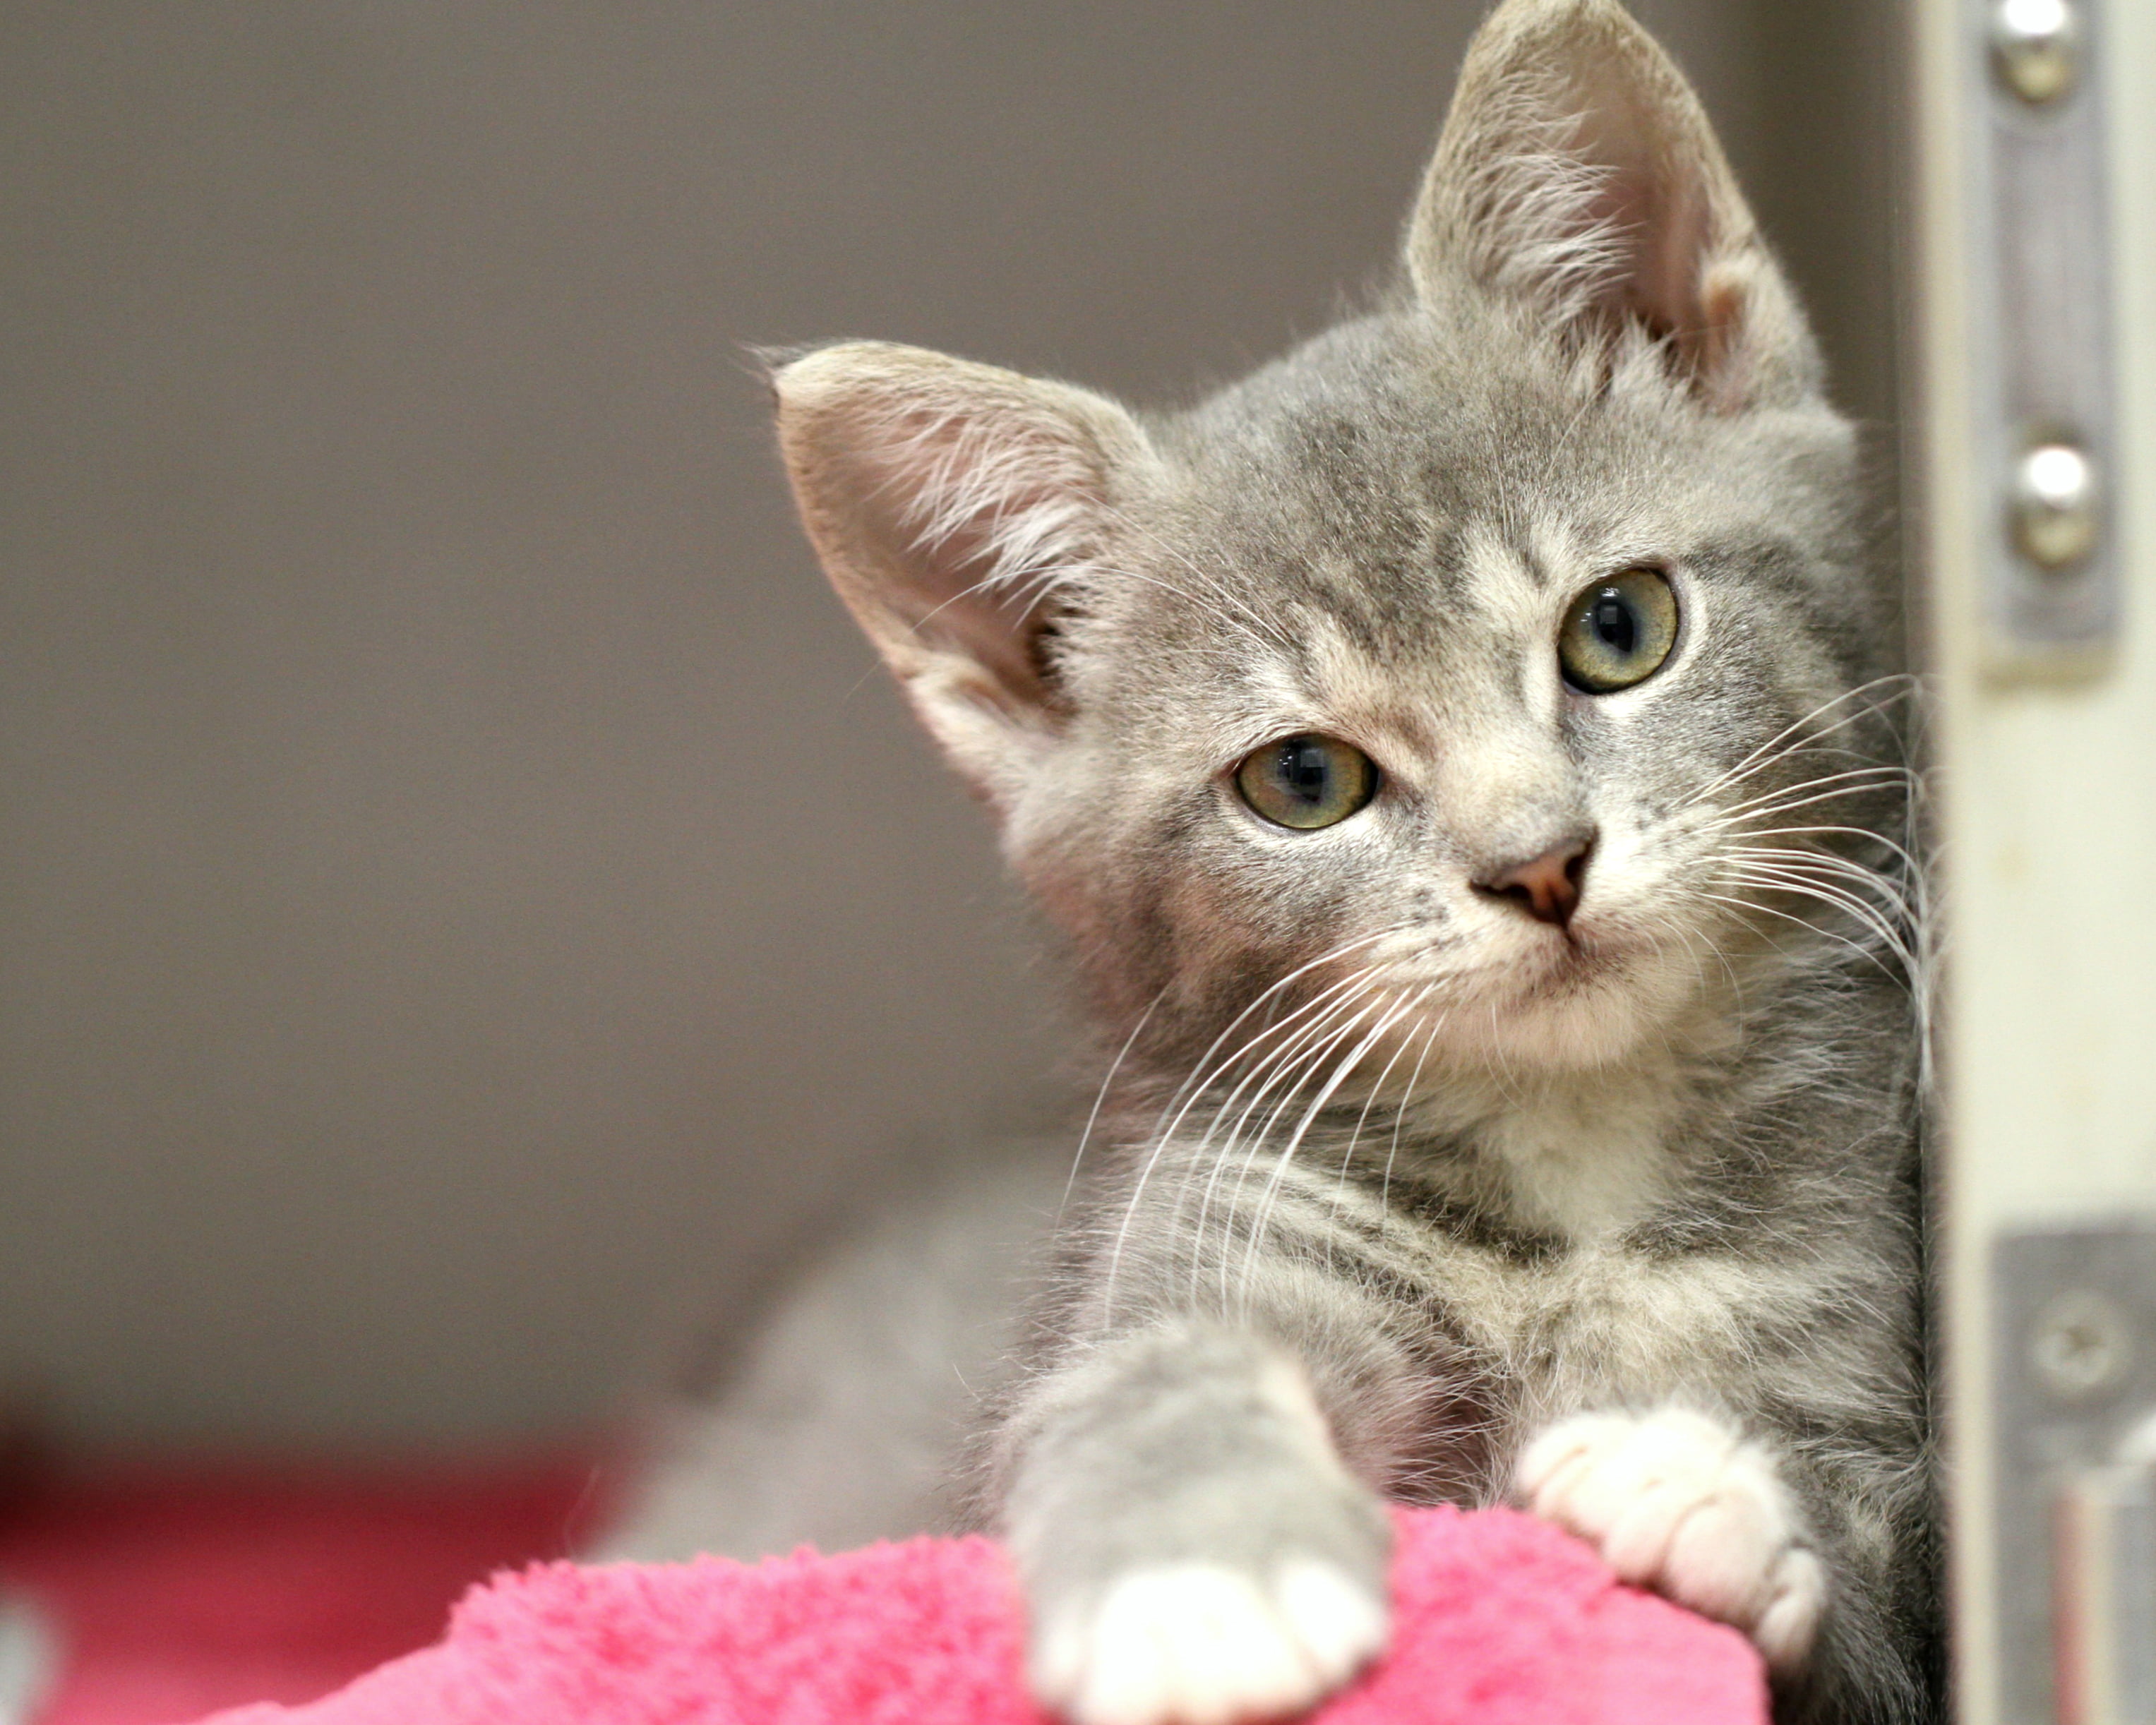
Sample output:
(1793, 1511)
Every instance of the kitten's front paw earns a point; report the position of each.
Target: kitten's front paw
(1201, 1644)
(1679, 1502)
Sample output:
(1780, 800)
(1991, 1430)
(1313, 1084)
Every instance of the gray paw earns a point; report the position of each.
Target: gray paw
(1194, 1552)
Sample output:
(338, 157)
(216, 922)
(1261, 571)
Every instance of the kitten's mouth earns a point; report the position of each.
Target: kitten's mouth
(1549, 964)
(1526, 968)
(1569, 958)
(1565, 962)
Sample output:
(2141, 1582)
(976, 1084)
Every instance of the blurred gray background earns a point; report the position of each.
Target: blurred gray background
(469, 895)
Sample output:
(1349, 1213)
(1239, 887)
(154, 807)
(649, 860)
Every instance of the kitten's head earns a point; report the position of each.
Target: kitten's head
(1443, 665)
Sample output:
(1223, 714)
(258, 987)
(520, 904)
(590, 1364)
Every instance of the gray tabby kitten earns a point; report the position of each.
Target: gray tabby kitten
(1455, 758)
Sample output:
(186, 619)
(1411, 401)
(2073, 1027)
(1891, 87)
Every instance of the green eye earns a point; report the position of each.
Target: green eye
(1307, 781)
(1618, 632)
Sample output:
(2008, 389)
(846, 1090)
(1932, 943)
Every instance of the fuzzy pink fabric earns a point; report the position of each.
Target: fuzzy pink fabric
(1501, 1620)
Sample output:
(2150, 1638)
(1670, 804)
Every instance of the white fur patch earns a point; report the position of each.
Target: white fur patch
(1587, 1160)
(1678, 1502)
(1198, 1644)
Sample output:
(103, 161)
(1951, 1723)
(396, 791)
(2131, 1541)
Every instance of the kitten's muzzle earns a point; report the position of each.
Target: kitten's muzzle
(1547, 886)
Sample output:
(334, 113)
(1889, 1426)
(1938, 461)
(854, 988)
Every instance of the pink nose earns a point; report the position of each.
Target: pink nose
(1547, 887)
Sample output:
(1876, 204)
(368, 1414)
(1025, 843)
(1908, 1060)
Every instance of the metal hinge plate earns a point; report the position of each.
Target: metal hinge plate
(2044, 360)
(2074, 1310)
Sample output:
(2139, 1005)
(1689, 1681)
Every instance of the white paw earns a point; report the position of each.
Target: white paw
(1679, 1503)
(1196, 1644)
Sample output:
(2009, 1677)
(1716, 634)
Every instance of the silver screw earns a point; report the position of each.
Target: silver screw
(2054, 505)
(2080, 1344)
(2036, 47)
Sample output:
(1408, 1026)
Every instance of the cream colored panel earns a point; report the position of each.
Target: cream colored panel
(2050, 807)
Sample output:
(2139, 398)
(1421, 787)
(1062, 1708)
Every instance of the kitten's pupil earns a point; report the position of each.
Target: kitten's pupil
(1304, 766)
(1615, 623)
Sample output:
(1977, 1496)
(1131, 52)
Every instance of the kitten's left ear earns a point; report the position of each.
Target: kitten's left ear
(1577, 175)
(963, 513)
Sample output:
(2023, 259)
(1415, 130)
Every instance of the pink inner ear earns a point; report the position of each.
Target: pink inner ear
(1669, 279)
(1659, 208)
(982, 513)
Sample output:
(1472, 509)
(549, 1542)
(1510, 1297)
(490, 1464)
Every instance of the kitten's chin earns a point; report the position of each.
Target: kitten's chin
(1566, 1005)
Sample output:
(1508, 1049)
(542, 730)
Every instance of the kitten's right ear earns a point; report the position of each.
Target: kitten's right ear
(1578, 177)
(962, 511)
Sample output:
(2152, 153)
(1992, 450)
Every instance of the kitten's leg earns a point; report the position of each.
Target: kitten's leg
(1193, 1548)
(1684, 1504)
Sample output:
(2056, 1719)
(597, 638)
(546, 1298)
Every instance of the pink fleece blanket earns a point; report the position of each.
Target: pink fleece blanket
(1501, 1620)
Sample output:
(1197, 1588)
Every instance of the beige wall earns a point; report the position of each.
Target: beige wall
(465, 885)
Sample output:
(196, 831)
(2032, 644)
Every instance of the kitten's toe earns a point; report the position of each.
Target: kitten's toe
(1678, 1502)
(1788, 1627)
(1201, 1644)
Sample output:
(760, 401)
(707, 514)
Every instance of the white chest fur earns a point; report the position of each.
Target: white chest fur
(1587, 1160)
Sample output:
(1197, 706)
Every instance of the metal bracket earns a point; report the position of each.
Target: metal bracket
(2074, 1352)
(2044, 391)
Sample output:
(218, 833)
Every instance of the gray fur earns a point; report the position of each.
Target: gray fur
(841, 1417)
(1371, 1139)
